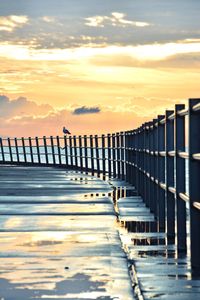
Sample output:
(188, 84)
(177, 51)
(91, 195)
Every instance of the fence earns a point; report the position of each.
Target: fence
(161, 159)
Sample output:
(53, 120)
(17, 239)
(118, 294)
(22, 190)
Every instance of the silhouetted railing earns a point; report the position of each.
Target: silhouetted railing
(161, 159)
(103, 154)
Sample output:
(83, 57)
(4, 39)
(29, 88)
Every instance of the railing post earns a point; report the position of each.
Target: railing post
(2, 150)
(53, 150)
(180, 179)
(103, 154)
(97, 153)
(92, 152)
(38, 149)
(45, 150)
(109, 155)
(31, 149)
(10, 150)
(118, 155)
(149, 166)
(71, 151)
(86, 152)
(122, 154)
(170, 200)
(194, 183)
(75, 151)
(114, 155)
(24, 150)
(58, 147)
(17, 150)
(80, 151)
(161, 174)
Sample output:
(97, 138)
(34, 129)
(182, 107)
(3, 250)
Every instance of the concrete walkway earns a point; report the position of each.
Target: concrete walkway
(59, 237)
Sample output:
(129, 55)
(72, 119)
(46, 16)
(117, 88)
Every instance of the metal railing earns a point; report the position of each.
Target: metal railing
(161, 159)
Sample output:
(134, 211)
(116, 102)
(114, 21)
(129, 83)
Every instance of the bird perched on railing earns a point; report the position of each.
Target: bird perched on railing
(66, 131)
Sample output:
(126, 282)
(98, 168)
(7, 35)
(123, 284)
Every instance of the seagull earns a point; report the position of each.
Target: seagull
(66, 131)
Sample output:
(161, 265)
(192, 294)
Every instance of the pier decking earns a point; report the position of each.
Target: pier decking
(59, 237)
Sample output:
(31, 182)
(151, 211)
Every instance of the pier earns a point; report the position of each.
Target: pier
(97, 214)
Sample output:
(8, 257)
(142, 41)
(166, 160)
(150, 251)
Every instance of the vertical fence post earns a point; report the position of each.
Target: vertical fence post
(133, 157)
(45, 149)
(170, 200)
(75, 151)
(86, 152)
(145, 162)
(149, 166)
(2, 150)
(161, 174)
(97, 154)
(66, 151)
(53, 150)
(92, 152)
(31, 149)
(127, 157)
(109, 155)
(24, 149)
(38, 149)
(114, 159)
(119, 172)
(122, 155)
(58, 148)
(71, 151)
(194, 183)
(17, 150)
(10, 150)
(103, 155)
(180, 179)
(80, 152)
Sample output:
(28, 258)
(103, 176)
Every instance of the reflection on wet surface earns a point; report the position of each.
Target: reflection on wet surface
(159, 271)
(44, 255)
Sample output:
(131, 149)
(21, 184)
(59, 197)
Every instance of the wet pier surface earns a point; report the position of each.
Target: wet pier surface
(59, 238)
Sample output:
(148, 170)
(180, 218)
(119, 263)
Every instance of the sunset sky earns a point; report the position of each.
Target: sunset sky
(94, 66)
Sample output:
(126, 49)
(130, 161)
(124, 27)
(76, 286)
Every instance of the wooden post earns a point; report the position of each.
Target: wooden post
(53, 150)
(103, 155)
(38, 149)
(180, 179)
(59, 153)
(109, 155)
(81, 152)
(86, 152)
(194, 183)
(170, 201)
(31, 149)
(66, 150)
(122, 161)
(45, 150)
(2, 150)
(161, 175)
(10, 150)
(114, 156)
(24, 149)
(97, 154)
(17, 150)
(71, 151)
(92, 152)
(118, 156)
(75, 151)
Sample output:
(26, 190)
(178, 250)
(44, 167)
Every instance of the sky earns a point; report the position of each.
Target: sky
(95, 66)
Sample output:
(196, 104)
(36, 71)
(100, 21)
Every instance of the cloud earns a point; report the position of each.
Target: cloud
(48, 19)
(116, 19)
(21, 107)
(86, 110)
(9, 23)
